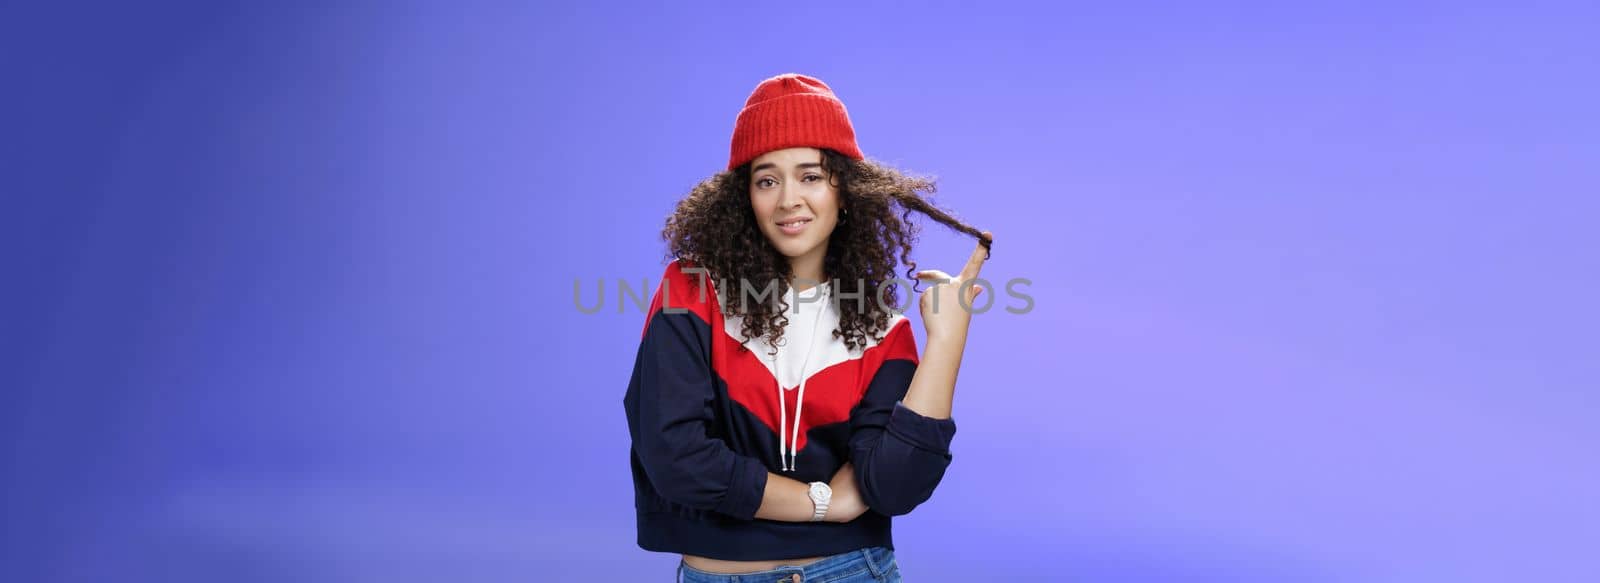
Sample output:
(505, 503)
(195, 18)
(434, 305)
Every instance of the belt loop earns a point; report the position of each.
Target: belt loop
(877, 571)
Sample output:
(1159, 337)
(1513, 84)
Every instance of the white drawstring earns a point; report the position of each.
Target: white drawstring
(787, 452)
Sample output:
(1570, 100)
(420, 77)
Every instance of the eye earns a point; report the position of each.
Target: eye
(810, 176)
(762, 182)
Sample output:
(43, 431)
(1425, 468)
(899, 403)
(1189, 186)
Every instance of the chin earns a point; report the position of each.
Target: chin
(794, 252)
(790, 248)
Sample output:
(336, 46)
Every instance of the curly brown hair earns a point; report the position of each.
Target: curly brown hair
(715, 228)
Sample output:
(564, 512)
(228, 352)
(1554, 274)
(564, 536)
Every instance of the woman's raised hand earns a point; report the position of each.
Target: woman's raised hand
(947, 305)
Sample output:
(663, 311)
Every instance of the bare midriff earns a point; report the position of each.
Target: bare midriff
(736, 567)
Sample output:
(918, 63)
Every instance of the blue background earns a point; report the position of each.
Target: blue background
(289, 288)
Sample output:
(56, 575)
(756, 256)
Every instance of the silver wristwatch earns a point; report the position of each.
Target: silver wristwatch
(820, 495)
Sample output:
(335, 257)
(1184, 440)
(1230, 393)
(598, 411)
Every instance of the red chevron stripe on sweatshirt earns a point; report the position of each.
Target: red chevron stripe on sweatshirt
(830, 392)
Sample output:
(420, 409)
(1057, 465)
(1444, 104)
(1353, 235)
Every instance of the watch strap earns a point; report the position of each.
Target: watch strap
(821, 506)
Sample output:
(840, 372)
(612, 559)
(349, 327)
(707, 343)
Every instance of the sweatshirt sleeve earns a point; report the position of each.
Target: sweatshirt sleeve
(899, 455)
(669, 407)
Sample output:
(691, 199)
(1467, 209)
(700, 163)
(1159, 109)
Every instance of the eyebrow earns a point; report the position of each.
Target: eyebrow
(767, 165)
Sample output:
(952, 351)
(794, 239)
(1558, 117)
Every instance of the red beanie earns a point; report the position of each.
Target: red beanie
(789, 111)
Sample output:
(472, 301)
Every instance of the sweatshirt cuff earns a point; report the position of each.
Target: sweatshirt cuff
(746, 487)
(923, 432)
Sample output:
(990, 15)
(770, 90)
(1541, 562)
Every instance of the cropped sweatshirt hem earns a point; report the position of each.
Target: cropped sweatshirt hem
(759, 540)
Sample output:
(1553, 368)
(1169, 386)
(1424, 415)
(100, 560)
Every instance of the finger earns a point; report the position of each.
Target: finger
(975, 263)
(933, 276)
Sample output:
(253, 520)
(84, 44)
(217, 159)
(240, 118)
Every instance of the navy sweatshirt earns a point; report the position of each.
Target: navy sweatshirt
(707, 425)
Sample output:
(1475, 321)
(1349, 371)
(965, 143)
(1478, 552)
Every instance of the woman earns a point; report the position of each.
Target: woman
(779, 411)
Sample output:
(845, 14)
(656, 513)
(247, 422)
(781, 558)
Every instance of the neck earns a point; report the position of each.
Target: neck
(806, 270)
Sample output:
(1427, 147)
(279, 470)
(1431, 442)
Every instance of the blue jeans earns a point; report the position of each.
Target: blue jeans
(869, 565)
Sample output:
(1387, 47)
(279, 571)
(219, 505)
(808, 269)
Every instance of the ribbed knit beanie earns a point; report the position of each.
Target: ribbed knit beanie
(789, 111)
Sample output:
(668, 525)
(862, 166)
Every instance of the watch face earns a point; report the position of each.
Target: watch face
(820, 490)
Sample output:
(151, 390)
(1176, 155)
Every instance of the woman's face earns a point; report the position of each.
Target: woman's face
(795, 204)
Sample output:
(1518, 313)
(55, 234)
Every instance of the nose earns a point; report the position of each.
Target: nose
(789, 198)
